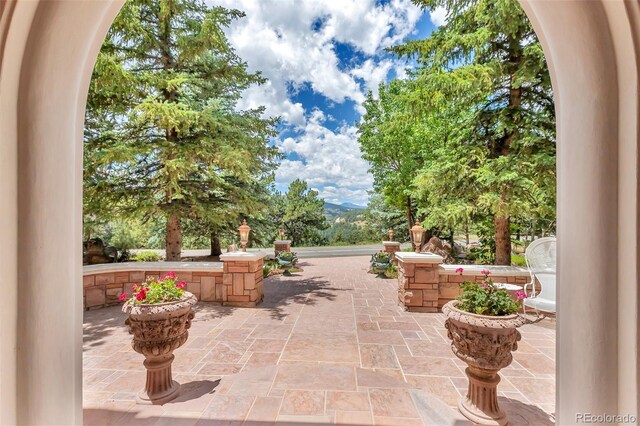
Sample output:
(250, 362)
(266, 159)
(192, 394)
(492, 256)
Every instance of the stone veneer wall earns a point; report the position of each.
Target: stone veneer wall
(391, 247)
(243, 283)
(425, 285)
(236, 281)
(103, 284)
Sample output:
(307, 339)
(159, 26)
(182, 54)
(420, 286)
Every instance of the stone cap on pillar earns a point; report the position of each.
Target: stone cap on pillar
(390, 243)
(410, 257)
(282, 242)
(242, 256)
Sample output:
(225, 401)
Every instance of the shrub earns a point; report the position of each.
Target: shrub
(147, 256)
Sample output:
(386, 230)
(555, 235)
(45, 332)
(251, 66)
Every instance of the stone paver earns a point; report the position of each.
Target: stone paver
(328, 345)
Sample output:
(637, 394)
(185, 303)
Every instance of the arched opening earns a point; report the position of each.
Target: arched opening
(46, 71)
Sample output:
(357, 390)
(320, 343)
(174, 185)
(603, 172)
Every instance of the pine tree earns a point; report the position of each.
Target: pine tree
(487, 56)
(301, 213)
(163, 134)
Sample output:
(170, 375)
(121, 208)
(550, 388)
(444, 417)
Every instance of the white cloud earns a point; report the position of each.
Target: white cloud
(438, 16)
(294, 43)
(329, 161)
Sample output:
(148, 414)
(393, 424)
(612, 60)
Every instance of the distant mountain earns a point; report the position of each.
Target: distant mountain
(332, 211)
(353, 206)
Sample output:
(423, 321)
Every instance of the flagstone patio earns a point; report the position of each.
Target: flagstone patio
(328, 345)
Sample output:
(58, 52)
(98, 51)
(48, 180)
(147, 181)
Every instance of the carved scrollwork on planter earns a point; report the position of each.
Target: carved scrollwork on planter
(159, 337)
(484, 349)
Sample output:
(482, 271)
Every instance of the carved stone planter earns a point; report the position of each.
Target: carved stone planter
(485, 343)
(157, 331)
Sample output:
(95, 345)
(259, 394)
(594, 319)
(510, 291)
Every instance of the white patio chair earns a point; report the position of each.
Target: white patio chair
(541, 261)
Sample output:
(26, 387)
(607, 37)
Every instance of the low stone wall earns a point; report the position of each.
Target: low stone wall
(425, 285)
(236, 281)
(103, 284)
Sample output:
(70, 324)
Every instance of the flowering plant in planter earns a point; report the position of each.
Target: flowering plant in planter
(165, 289)
(160, 314)
(482, 324)
(485, 298)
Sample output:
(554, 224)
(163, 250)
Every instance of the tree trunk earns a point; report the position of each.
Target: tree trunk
(503, 239)
(216, 250)
(174, 239)
(409, 220)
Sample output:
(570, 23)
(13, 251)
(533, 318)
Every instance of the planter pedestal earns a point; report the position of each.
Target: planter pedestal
(160, 386)
(485, 343)
(481, 403)
(157, 331)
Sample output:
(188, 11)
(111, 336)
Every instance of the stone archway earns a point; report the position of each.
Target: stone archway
(47, 52)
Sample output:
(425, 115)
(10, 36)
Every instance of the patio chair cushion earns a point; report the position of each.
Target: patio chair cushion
(541, 304)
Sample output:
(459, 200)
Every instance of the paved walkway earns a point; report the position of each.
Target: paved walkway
(327, 346)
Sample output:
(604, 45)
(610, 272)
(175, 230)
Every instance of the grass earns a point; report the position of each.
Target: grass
(518, 260)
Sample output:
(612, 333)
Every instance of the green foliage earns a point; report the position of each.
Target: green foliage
(301, 213)
(381, 257)
(147, 256)
(163, 136)
(267, 268)
(518, 260)
(470, 135)
(153, 291)
(391, 272)
(288, 257)
(485, 298)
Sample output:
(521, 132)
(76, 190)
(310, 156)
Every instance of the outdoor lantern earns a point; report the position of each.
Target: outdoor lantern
(390, 234)
(281, 231)
(417, 231)
(244, 234)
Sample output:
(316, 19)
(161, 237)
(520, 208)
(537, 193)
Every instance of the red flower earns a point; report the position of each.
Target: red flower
(181, 284)
(141, 295)
(171, 275)
(459, 271)
(123, 297)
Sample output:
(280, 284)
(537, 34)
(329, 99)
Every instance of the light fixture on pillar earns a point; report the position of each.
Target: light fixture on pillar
(391, 235)
(244, 234)
(417, 231)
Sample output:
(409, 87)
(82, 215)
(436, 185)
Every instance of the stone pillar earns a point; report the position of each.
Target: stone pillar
(281, 246)
(242, 278)
(391, 247)
(418, 278)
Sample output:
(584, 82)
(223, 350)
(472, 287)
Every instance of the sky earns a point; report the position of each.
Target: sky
(320, 58)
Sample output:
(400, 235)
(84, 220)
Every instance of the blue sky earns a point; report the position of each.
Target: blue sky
(321, 58)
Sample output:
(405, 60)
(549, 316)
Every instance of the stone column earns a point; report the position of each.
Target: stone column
(391, 247)
(242, 278)
(281, 246)
(594, 71)
(418, 278)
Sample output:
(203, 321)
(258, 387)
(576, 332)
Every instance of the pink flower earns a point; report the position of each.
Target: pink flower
(142, 294)
(459, 271)
(171, 275)
(520, 295)
(485, 272)
(181, 284)
(123, 297)
(486, 286)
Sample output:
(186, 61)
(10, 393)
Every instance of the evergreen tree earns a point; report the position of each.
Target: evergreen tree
(487, 57)
(301, 213)
(163, 134)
